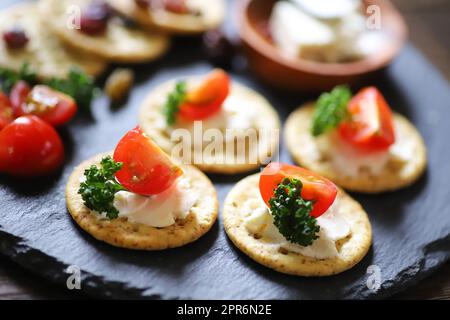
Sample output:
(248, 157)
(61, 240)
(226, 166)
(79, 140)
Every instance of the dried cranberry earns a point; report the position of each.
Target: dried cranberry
(94, 18)
(218, 48)
(15, 38)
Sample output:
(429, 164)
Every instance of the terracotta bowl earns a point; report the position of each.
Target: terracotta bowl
(291, 73)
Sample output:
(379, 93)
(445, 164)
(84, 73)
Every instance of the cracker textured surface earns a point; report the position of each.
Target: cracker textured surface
(119, 43)
(44, 52)
(153, 122)
(122, 233)
(351, 250)
(212, 14)
(305, 150)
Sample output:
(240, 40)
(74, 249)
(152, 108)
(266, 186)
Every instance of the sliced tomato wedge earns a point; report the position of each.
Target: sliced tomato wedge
(315, 187)
(206, 99)
(18, 97)
(147, 170)
(6, 111)
(54, 107)
(371, 128)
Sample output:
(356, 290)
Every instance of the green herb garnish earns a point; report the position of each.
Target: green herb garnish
(173, 102)
(330, 110)
(100, 186)
(78, 85)
(291, 213)
(8, 78)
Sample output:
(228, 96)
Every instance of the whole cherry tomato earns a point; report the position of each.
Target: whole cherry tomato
(371, 127)
(147, 170)
(54, 107)
(30, 147)
(315, 188)
(207, 98)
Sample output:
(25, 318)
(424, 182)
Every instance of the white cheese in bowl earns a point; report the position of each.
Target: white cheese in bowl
(323, 30)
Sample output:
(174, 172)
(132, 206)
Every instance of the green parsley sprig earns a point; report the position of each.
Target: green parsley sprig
(79, 85)
(330, 110)
(8, 78)
(173, 102)
(291, 213)
(100, 186)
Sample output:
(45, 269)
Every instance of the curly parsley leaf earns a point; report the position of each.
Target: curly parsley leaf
(79, 85)
(8, 77)
(330, 110)
(291, 213)
(173, 102)
(100, 186)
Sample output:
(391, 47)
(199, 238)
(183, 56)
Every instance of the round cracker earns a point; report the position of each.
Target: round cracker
(351, 250)
(304, 150)
(119, 43)
(44, 52)
(212, 16)
(152, 121)
(122, 233)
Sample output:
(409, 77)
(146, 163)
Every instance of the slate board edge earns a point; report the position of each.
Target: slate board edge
(95, 286)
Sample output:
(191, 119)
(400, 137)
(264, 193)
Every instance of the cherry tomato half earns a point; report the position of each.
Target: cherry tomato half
(371, 127)
(30, 147)
(147, 170)
(54, 107)
(18, 97)
(207, 98)
(6, 111)
(315, 188)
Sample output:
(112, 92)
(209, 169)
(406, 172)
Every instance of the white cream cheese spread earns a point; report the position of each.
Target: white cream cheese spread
(333, 227)
(161, 210)
(351, 162)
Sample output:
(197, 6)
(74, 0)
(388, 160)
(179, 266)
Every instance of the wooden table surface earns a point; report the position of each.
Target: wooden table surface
(429, 23)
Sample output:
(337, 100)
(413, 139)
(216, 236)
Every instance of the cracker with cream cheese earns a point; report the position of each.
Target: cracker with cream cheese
(122, 233)
(398, 171)
(119, 43)
(265, 123)
(210, 15)
(44, 52)
(351, 249)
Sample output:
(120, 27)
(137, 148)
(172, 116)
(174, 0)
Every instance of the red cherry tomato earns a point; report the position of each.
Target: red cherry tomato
(315, 188)
(371, 127)
(207, 98)
(54, 107)
(6, 111)
(18, 97)
(30, 147)
(147, 170)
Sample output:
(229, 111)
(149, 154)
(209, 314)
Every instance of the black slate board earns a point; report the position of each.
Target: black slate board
(411, 227)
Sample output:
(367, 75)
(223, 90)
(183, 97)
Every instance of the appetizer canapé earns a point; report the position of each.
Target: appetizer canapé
(296, 222)
(356, 141)
(175, 16)
(139, 198)
(223, 127)
(25, 38)
(323, 30)
(96, 29)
